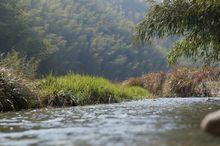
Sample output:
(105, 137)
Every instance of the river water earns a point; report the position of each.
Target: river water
(159, 122)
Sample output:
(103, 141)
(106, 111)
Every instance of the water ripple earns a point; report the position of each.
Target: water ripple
(163, 122)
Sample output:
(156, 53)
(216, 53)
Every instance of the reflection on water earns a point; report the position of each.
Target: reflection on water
(160, 122)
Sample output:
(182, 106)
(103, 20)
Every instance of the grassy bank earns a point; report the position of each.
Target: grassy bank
(19, 93)
(73, 89)
(182, 82)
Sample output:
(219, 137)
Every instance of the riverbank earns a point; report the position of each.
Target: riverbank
(181, 82)
(19, 93)
(75, 89)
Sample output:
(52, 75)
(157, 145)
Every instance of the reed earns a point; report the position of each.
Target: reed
(14, 94)
(181, 82)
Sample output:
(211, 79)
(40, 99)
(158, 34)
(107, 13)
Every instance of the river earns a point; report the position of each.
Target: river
(155, 122)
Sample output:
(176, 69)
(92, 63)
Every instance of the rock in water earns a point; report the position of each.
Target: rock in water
(211, 123)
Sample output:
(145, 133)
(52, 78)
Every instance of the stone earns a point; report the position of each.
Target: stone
(211, 123)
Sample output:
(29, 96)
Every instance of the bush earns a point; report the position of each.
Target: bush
(17, 86)
(182, 82)
(187, 82)
(154, 82)
(213, 88)
(19, 65)
(73, 89)
(134, 82)
(13, 94)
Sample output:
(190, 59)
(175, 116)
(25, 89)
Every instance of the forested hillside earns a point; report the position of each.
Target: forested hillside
(133, 10)
(83, 36)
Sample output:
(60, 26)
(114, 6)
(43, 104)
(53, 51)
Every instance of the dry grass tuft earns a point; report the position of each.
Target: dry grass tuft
(182, 82)
(14, 95)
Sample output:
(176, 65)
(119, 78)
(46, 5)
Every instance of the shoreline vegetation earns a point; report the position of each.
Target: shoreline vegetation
(181, 82)
(75, 89)
(20, 93)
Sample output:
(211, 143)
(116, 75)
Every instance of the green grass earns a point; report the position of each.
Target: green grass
(74, 89)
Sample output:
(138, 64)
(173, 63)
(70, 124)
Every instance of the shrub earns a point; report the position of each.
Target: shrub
(134, 82)
(75, 89)
(19, 65)
(13, 94)
(213, 88)
(154, 82)
(185, 82)
(17, 86)
(178, 84)
(181, 82)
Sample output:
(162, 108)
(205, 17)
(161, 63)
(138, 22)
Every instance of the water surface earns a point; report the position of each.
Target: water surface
(159, 122)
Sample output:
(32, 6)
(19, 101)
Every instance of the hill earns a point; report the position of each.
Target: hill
(82, 36)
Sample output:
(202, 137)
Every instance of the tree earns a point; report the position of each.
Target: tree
(197, 22)
(83, 36)
(96, 39)
(17, 33)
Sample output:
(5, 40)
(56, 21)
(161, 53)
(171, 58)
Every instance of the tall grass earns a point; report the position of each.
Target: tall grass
(74, 89)
(14, 94)
(20, 90)
(181, 82)
(19, 65)
(187, 82)
(17, 86)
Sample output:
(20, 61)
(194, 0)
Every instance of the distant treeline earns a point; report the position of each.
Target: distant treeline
(82, 36)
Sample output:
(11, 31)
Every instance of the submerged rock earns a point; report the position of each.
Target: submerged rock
(211, 123)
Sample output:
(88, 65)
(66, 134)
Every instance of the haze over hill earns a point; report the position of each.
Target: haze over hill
(83, 36)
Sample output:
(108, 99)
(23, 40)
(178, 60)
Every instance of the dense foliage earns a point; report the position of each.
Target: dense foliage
(196, 21)
(132, 9)
(16, 33)
(90, 36)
